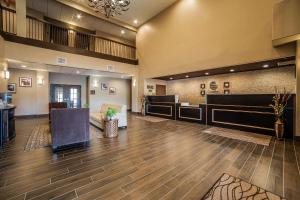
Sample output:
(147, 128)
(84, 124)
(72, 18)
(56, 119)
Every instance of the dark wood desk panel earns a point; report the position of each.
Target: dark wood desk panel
(191, 113)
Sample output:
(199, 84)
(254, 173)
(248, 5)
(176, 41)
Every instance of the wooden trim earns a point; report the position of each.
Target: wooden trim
(57, 47)
(68, 26)
(31, 116)
(285, 40)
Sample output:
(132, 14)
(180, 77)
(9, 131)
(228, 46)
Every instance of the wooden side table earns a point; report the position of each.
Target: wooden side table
(110, 128)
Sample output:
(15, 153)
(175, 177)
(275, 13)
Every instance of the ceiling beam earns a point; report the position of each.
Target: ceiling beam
(89, 11)
(286, 40)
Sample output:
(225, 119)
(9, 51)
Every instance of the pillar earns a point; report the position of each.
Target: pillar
(297, 133)
(21, 17)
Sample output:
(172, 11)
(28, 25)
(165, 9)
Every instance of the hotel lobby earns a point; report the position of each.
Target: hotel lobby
(137, 99)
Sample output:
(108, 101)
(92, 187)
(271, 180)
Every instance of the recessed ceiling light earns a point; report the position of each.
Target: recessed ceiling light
(78, 16)
(23, 66)
(187, 76)
(135, 21)
(122, 32)
(77, 72)
(265, 66)
(232, 70)
(206, 73)
(171, 78)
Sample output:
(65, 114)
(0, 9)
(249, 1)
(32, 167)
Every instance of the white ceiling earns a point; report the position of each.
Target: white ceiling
(142, 10)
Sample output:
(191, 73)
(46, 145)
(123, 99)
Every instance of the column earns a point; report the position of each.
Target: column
(297, 133)
(21, 17)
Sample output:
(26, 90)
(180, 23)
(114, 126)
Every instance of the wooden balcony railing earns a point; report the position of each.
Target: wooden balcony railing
(40, 30)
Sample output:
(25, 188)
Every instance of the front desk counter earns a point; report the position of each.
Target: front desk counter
(248, 112)
(161, 106)
(191, 113)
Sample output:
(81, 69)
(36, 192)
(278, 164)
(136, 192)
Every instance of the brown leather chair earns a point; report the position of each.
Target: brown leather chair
(56, 105)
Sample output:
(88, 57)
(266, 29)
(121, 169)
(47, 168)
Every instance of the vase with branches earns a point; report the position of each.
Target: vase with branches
(280, 101)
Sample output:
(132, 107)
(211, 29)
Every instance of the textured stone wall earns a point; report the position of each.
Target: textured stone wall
(254, 82)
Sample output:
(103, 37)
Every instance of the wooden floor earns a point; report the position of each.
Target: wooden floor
(165, 160)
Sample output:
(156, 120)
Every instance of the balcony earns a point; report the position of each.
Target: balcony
(44, 34)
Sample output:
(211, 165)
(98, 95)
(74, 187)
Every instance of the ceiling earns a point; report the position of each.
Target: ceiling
(65, 70)
(142, 10)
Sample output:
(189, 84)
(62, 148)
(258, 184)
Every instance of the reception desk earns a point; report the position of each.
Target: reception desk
(191, 113)
(249, 112)
(161, 106)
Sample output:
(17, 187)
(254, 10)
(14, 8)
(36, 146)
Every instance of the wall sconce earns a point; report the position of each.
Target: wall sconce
(40, 81)
(134, 82)
(95, 84)
(5, 74)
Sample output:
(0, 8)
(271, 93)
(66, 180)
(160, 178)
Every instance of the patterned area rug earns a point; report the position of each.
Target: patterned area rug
(240, 135)
(151, 119)
(40, 137)
(230, 188)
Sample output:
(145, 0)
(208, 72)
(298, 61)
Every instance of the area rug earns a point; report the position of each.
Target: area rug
(151, 119)
(39, 137)
(229, 188)
(240, 135)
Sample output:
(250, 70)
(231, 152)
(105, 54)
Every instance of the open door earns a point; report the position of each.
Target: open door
(161, 90)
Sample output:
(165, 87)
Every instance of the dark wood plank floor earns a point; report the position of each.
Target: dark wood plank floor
(166, 160)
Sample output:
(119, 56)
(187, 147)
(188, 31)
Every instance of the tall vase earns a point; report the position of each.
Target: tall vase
(279, 129)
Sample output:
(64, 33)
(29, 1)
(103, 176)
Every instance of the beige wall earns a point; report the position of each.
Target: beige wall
(3, 82)
(37, 55)
(122, 96)
(152, 82)
(286, 18)
(254, 82)
(193, 35)
(70, 79)
(30, 100)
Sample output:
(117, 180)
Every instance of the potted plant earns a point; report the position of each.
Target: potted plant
(279, 105)
(111, 113)
(144, 102)
(110, 123)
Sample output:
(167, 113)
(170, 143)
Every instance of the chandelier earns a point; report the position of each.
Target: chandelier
(109, 7)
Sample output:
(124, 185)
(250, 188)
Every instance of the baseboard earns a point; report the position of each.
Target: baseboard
(31, 116)
(297, 138)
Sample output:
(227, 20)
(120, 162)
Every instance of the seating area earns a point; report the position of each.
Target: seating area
(149, 100)
(97, 118)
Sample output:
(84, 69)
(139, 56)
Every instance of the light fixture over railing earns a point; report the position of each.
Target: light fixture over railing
(109, 7)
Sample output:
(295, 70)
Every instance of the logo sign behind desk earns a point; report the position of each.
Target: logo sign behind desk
(213, 86)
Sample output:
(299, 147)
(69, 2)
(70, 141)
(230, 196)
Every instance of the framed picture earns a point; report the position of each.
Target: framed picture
(12, 88)
(202, 92)
(93, 92)
(25, 82)
(226, 91)
(226, 85)
(104, 86)
(202, 86)
(112, 90)
(150, 87)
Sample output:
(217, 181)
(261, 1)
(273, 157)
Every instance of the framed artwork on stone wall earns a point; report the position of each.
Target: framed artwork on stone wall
(226, 91)
(202, 92)
(226, 84)
(25, 82)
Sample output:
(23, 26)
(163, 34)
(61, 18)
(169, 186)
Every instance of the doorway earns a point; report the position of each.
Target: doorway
(160, 90)
(66, 93)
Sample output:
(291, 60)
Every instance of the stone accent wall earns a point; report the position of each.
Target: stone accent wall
(254, 82)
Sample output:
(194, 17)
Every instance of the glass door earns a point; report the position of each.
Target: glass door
(66, 93)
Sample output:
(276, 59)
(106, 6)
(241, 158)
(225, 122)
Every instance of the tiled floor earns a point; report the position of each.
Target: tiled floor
(165, 160)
